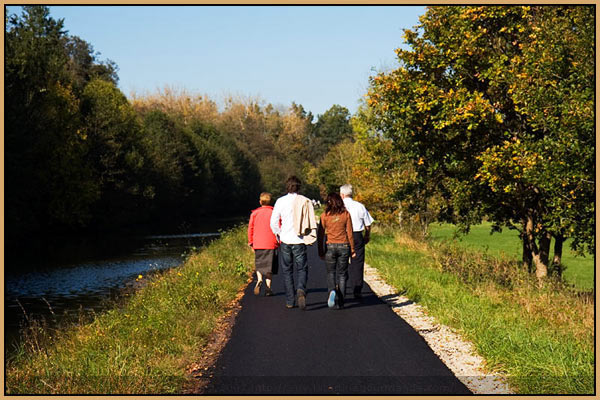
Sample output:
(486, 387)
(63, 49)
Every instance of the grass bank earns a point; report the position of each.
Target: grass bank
(143, 345)
(579, 269)
(542, 338)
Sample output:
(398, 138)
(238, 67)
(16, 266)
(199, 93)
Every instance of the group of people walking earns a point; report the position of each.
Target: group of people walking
(290, 226)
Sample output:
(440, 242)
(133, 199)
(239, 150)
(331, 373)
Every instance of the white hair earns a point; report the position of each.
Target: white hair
(346, 190)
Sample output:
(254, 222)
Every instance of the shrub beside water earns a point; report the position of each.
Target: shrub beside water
(143, 345)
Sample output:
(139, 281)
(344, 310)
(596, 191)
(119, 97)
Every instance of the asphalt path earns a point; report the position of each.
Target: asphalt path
(363, 349)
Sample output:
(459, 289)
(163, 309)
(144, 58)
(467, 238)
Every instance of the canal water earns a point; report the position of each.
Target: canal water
(70, 276)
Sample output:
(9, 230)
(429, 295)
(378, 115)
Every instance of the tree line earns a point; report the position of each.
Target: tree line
(490, 115)
(80, 155)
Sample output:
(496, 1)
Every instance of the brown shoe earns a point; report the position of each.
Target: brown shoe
(268, 291)
(257, 288)
(301, 300)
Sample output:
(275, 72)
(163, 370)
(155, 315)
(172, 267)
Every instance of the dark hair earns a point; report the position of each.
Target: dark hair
(335, 204)
(292, 184)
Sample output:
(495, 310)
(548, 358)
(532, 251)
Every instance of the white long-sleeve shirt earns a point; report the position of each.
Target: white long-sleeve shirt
(284, 211)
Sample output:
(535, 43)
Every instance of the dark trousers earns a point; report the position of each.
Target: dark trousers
(336, 261)
(356, 268)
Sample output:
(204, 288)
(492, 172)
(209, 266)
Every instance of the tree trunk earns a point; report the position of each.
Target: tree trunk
(541, 254)
(541, 269)
(557, 259)
(558, 247)
(545, 240)
(527, 254)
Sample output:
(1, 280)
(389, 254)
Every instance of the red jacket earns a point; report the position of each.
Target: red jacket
(260, 235)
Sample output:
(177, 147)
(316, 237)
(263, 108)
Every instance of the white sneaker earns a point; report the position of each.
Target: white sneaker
(331, 300)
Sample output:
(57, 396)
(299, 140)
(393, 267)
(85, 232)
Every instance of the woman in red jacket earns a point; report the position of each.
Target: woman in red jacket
(264, 243)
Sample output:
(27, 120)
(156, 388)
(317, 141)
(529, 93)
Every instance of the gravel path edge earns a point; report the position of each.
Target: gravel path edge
(458, 354)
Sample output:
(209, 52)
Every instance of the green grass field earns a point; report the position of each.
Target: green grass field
(579, 269)
(541, 338)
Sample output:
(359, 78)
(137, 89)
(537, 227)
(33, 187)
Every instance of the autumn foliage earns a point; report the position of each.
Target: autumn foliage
(493, 109)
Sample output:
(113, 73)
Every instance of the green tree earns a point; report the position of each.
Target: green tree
(165, 147)
(551, 164)
(331, 128)
(113, 136)
(461, 108)
(335, 169)
(83, 65)
(47, 182)
(382, 175)
(557, 95)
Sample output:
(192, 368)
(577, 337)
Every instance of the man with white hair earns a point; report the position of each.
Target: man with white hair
(361, 222)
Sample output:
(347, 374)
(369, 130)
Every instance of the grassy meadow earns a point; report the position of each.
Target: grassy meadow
(541, 338)
(579, 269)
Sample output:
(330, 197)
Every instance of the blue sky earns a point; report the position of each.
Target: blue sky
(316, 56)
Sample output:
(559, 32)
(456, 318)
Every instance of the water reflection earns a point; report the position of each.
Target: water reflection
(93, 278)
(82, 275)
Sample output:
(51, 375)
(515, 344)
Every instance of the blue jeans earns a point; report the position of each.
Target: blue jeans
(293, 254)
(336, 261)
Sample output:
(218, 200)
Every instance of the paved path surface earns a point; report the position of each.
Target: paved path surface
(363, 349)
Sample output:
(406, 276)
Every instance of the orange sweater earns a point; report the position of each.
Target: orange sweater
(338, 228)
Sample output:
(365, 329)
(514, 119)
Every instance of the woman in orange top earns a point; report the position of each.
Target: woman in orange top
(336, 223)
(264, 243)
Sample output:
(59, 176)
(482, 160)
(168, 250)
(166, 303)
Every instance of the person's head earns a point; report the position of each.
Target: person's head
(265, 199)
(292, 184)
(335, 204)
(346, 190)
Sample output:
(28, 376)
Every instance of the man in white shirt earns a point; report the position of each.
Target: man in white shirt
(361, 221)
(293, 245)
